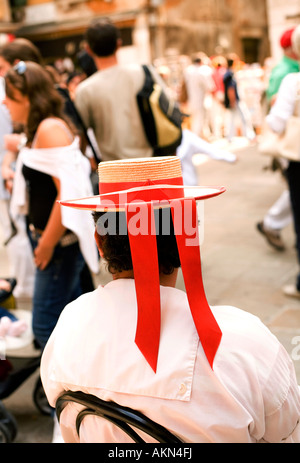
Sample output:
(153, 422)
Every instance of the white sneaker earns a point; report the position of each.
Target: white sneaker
(291, 291)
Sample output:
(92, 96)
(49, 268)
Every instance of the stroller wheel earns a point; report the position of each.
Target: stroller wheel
(40, 399)
(8, 426)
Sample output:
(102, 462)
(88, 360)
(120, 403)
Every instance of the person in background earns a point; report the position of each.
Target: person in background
(72, 81)
(218, 112)
(106, 101)
(17, 243)
(288, 63)
(18, 49)
(280, 213)
(50, 162)
(287, 104)
(233, 105)
(87, 283)
(199, 83)
(86, 63)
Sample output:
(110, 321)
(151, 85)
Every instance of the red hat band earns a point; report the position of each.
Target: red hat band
(120, 193)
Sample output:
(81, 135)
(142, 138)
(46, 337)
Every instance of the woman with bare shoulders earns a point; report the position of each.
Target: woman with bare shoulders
(50, 163)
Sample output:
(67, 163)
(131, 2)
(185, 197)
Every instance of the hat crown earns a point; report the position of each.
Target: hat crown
(140, 170)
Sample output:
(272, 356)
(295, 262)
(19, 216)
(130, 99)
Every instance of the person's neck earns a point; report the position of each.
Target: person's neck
(289, 53)
(105, 62)
(164, 280)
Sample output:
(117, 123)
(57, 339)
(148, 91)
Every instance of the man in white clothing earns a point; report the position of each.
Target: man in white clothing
(199, 83)
(279, 216)
(208, 374)
(285, 106)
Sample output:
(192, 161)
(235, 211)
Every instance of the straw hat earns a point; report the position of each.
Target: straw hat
(154, 179)
(146, 184)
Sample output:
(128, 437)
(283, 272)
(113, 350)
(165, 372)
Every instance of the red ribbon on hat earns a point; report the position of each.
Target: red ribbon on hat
(144, 250)
(208, 329)
(146, 276)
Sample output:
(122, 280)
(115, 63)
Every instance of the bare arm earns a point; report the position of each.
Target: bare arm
(6, 171)
(50, 134)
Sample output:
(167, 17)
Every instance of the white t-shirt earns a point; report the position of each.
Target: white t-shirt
(251, 395)
(285, 103)
(199, 82)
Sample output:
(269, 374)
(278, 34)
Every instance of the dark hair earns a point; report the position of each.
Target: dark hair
(20, 49)
(86, 63)
(230, 62)
(116, 247)
(102, 37)
(45, 101)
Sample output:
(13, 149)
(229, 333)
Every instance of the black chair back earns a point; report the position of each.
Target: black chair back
(123, 417)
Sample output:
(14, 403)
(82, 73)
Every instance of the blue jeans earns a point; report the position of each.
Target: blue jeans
(6, 313)
(54, 288)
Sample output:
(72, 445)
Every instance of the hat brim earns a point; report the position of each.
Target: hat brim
(104, 202)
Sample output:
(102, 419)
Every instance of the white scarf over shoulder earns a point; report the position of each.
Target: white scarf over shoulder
(72, 168)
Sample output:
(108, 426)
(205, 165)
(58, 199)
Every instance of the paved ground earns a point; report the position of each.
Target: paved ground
(239, 268)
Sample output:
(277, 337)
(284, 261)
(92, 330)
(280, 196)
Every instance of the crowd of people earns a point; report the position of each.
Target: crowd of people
(120, 342)
(198, 83)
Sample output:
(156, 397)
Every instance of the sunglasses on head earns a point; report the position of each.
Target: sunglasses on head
(20, 67)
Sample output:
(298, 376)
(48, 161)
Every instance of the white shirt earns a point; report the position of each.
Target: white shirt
(72, 168)
(190, 145)
(199, 81)
(285, 103)
(251, 396)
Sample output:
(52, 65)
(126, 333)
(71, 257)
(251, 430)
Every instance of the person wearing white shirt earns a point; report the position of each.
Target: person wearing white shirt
(199, 83)
(50, 163)
(207, 374)
(287, 102)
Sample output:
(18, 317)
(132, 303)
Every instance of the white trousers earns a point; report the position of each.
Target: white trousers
(239, 114)
(280, 214)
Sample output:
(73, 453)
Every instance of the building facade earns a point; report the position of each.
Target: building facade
(282, 15)
(150, 28)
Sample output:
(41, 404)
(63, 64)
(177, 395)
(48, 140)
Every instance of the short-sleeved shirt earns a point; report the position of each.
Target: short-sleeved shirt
(107, 103)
